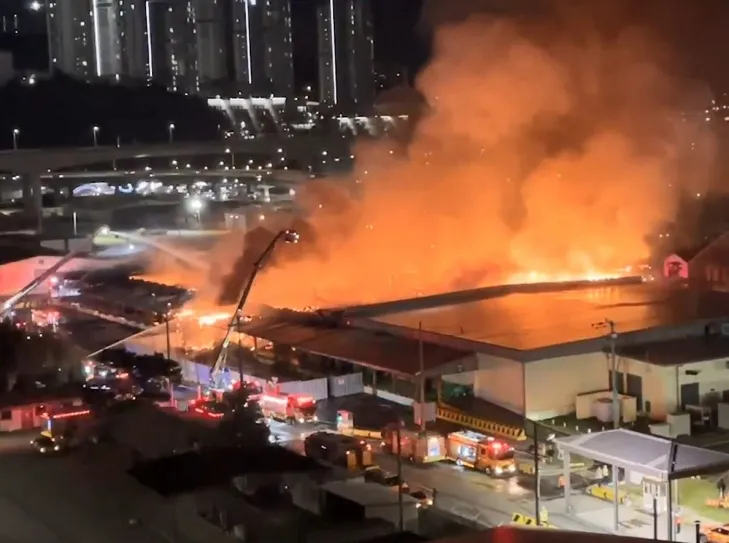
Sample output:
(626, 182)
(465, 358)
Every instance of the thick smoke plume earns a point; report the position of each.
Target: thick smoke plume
(547, 152)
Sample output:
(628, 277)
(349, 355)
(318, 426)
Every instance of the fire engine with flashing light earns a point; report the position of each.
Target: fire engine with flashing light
(714, 534)
(210, 409)
(64, 428)
(346, 451)
(291, 408)
(417, 447)
(482, 453)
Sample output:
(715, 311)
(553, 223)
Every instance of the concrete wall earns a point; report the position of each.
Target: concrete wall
(497, 380)
(553, 384)
(713, 379)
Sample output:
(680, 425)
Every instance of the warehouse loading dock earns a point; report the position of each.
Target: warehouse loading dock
(404, 361)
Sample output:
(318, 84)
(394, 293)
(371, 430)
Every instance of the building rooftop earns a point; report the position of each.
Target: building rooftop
(529, 320)
(192, 471)
(376, 350)
(646, 454)
(12, 250)
(679, 351)
(367, 494)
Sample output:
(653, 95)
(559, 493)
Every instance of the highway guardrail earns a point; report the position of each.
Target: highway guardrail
(359, 432)
(477, 423)
(527, 468)
(525, 520)
(607, 493)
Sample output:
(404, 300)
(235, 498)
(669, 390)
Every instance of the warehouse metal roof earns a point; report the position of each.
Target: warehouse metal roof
(679, 351)
(646, 454)
(525, 320)
(367, 494)
(380, 351)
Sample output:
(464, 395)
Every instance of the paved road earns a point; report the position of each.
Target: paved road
(464, 493)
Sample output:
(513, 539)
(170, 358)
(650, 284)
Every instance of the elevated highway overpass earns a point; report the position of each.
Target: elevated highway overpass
(73, 179)
(38, 161)
(281, 176)
(32, 164)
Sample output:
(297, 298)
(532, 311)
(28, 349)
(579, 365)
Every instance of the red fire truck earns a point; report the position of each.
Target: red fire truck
(291, 408)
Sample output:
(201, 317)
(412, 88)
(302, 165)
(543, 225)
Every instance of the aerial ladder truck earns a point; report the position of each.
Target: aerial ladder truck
(10, 303)
(218, 373)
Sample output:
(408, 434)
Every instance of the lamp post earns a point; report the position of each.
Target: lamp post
(167, 330)
(16, 133)
(195, 205)
(232, 158)
(171, 132)
(612, 338)
(95, 132)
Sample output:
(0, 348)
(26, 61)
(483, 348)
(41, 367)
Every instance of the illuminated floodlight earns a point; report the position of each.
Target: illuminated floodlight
(195, 205)
(35, 6)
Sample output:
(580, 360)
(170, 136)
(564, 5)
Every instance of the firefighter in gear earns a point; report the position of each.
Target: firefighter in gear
(677, 519)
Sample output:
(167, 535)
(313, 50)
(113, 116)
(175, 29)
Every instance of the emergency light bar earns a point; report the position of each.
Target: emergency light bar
(67, 415)
(274, 399)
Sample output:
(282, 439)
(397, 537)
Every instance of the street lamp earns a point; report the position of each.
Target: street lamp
(16, 133)
(232, 158)
(35, 6)
(171, 132)
(95, 132)
(195, 205)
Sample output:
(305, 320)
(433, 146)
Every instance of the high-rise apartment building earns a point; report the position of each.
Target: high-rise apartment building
(107, 38)
(261, 46)
(132, 32)
(211, 43)
(171, 44)
(182, 44)
(71, 37)
(98, 38)
(346, 54)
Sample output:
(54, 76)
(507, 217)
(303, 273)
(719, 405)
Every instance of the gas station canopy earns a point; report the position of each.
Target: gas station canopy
(646, 454)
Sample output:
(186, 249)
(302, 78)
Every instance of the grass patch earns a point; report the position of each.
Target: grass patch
(693, 493)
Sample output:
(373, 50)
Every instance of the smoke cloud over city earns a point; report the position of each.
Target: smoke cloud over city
(548, 152)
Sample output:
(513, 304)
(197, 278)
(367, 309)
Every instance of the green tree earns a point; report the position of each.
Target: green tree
(243, 424)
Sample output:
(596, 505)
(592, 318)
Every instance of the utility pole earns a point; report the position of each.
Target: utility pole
(537, 481)
(421, 378)
(167, 332)
(401, 517)
(240, 354)
(612, 337)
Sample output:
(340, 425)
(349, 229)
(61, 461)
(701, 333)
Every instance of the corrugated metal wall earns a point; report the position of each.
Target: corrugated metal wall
(322, 388)
(345, 385)
(318, 388)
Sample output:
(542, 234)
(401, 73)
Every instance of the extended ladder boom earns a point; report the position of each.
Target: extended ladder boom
(27, 289)
(290, 237)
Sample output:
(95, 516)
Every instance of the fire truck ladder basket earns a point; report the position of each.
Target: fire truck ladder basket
(450, 414)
